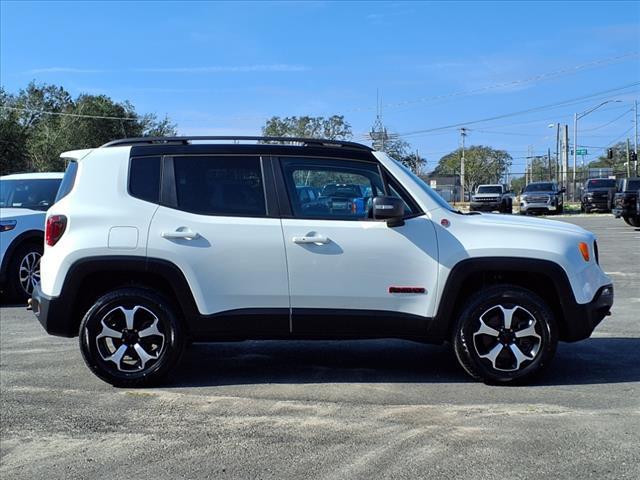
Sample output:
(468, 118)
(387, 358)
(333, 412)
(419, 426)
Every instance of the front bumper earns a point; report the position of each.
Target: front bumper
(596, 204)
(53, 314)
(624, 212)
(537, 207)
(485, 206)
(582, 319)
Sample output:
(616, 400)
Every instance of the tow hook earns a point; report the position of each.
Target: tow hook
(29, 304)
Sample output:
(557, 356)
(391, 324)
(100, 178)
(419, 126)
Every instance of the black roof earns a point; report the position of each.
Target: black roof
(187, 140)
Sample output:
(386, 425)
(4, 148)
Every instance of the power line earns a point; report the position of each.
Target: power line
(62, 114)
(514, 83)
(522, 112)
(608, 123)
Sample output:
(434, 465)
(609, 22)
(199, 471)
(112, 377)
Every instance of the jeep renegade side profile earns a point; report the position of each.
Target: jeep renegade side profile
(155, 242)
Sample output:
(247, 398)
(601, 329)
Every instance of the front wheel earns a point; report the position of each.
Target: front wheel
(633, 221)
(131, 337)
(505, 334)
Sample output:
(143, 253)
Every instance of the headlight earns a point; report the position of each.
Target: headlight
(6, 225)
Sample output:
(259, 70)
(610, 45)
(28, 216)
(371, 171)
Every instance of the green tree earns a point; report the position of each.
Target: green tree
(13, 137)
(331, 128)
(618, 160)
(482, 165)
(44, 120)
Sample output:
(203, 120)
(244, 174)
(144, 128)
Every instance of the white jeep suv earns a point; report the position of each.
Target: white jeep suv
(157, 242)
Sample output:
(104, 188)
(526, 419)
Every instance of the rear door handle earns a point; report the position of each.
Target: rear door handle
(317, 239)
(181, 233)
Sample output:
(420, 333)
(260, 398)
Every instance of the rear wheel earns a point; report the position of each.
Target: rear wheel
(633, 221)
(131, 337)
(505, 334)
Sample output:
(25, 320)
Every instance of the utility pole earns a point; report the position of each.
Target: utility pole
(557, 152)
(463, 134)
(635, 135)
(565, 156)
(549, 161)
(628, 159)
(575, 153)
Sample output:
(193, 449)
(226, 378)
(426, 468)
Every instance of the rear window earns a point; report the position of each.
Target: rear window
(68, 180)
(144, 178)
(217, 185)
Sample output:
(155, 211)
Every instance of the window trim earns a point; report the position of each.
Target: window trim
(169, 194)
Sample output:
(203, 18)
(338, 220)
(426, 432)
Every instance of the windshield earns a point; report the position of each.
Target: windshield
(33, 194)
(489, 189)
(426, 188)
(539, 187)
(601, 183)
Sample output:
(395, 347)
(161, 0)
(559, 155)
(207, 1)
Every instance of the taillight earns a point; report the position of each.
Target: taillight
(56, 225)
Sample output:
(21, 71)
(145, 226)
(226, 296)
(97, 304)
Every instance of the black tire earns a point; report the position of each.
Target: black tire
(23, 257)
(560, 209)
(470, 344)
(633, 221)
(129, 370)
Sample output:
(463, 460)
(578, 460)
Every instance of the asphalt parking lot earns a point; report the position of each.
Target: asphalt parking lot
(331, 410)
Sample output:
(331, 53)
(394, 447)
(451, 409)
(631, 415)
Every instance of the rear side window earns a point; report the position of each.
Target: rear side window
(68, 180)
(218, 185)
(144, 178)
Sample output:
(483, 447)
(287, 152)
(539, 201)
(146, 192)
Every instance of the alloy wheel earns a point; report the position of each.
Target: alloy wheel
(130, 338)
(29, 272)
(507, 337)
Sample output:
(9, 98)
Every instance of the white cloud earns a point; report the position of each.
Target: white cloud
(64, 70)
(278, 67)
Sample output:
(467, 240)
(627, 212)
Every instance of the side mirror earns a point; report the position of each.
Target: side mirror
(390, 209)
(562, 190)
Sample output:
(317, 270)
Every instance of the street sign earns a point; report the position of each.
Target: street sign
(580, 151)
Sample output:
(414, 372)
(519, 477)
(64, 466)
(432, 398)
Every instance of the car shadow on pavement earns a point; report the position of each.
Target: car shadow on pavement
(593, 361)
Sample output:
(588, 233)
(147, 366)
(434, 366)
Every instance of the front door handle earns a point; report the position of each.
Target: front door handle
(317, 239)
(181, 233)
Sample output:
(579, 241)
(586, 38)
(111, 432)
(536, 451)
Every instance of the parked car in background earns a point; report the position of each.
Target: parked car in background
(627, 201)
(151, 264)
(598, 195)
(542, 197)
(489, 198)
(24, 200)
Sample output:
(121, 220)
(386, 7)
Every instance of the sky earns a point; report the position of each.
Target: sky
(218, 68)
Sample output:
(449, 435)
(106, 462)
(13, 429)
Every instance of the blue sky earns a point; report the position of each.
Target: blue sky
(223, 68)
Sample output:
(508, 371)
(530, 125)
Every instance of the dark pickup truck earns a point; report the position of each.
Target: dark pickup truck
(598, 195)
(627, 201)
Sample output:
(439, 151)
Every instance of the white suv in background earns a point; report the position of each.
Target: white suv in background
(155, 242)
(24, 199)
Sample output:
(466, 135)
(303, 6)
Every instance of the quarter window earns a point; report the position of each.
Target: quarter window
(229, 186)
(144, 178)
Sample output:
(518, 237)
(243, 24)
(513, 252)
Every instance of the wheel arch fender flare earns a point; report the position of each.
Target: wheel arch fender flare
(551, 272)
(24, 237)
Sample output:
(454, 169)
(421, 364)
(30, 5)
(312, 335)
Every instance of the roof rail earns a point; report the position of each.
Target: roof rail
(185, 140)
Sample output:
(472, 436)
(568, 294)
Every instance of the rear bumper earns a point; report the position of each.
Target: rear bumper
(53, 314)
(582, 319)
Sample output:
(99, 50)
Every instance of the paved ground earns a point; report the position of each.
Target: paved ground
(341, 410)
